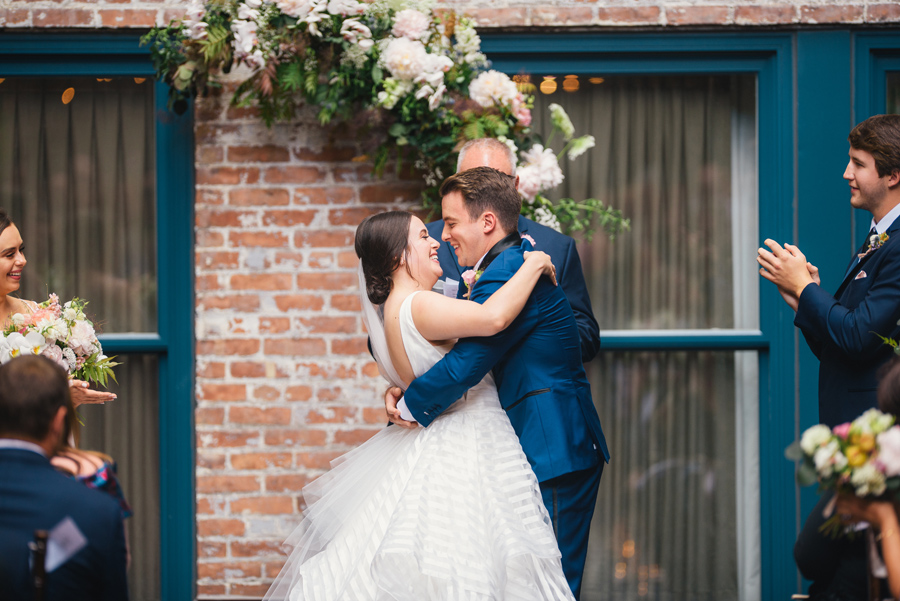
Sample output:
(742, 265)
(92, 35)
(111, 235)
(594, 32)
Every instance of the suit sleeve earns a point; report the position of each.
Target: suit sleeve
(469, 361)
(115, 582)
(575, 289)
(853, 331)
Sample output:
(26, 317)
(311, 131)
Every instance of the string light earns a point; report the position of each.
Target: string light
(68, 95)
(548, 86)
(571, 83)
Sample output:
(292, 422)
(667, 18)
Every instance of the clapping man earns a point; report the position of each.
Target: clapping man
(86, 548)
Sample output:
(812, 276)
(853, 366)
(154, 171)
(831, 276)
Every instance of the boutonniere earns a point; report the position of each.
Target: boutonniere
(470, 276)
(875, 242)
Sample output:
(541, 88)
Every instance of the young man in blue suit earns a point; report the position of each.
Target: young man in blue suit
(536, 362)
(87, 524)
(489, 152)
(841, 329)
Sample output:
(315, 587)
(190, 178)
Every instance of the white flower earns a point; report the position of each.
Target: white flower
(867, 480)
(355, 32)
(193, 20)
(69, 314)
(253, 3)
(561, 120)
(294, 8)
(529, 182)
(405, 58)
(411, 23)
(15, 345)
(356, 55)
(244, 36)
(544, 216)
(435, 99)
(467, 41)
(346, 7)
(71, 359)
(493, 88)
(815, 437)
(18, 320)
(889, 451)
(245, 12)
(829, 458)
(541, 171)
(55, 354)
(394, 90)
(580, 146)
(82, 338)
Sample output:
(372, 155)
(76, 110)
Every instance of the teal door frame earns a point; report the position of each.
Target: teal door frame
(770, 57)
(52, 55)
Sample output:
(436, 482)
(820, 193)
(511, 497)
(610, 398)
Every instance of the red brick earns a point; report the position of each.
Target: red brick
(347, 259)
(288, 259)
(262, 239)
(374, 415)
(211, 549)
(328, 371)
(288, 218)
(322, 260)
(371, 370)
(330, 325)
(266, 393)
(228, 347)
(260, 461)
(317, 460)
(332, 415)
(219, 527)
(325, 238)
(351, 346)
(256, 548)
(298, 393)
(209, 416)
(273, 568)
(345, 302)
(302, 302)
(831, 14)
(295, 346)
(235, 569)
(765, 15)
(293, 437)
(328, 195)
(222, 392)
(213, 370)
(353, 174)
(240, 302)
(223, 218)
(697, 15)
(352, 216)
(256, 415)
(206, 283)
(268, 197)
(257, 591)
(258, 154)
(274, 325)
(293, 175)
(577, 15)
(263, 505)
(627, 15)
(62, 17)
(211, 133)
(209, 196)
(11, 17)
(205, 506)
(883, 13)
(286, 483)
(206, 239)
(131, 17)
(329, 153)
(227, 438)
(218, 260)
(261, 281)
(249, 369)
(394, 192)
(327, 281)
(210, 590)
(206, 155)
(354, 437)
(242, 112)
(217, 176)
(225, 484)
(210, 461)
(497, 17)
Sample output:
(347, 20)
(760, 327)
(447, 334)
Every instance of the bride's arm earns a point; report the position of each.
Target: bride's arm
(438, 317)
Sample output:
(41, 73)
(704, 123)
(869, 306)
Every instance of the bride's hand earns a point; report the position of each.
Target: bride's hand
(391, 398)
(543, 260)
(82, 395)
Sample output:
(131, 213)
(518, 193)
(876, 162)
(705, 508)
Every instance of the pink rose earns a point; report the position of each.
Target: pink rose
(529, 238)
(842, 430)
(469, 278)
(55, 354)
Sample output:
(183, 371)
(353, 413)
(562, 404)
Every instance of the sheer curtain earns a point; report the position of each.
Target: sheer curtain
(677, 516)
(78, 179)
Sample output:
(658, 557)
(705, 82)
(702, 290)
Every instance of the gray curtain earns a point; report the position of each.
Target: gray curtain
(78, 179)
(666, 524)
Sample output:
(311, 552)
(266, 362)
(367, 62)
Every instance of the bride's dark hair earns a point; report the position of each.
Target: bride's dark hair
(381, 242)
(5, 221)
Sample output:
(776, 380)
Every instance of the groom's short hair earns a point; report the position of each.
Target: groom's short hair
(486, 189)
(879, 135)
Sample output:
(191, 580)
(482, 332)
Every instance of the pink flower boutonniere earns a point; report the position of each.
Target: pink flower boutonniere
(470, 276)
(530, 239)
(875, 242)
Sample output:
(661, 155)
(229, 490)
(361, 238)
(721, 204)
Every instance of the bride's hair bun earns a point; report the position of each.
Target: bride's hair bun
(381, 241)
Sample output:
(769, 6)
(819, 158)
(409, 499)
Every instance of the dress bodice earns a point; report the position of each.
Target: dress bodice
(423, 355)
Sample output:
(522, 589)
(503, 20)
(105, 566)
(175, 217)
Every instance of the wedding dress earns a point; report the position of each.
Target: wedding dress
(448, 512)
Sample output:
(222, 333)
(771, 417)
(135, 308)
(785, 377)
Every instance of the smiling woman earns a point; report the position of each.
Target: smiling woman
(12, 262)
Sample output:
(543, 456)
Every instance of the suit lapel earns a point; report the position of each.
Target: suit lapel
(855, 269)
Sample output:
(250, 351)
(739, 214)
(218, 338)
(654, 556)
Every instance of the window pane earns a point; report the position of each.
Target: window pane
(128, 430)
(677, 515)
(677, 154)
(78, 179)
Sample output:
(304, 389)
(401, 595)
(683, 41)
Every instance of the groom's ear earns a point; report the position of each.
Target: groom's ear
(489, 222)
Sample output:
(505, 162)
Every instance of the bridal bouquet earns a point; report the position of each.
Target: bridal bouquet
(61, 333)
(861, 457)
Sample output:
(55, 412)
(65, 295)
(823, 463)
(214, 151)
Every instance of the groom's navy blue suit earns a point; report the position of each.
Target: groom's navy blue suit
(565, 258)
(841, 330)
(542, 385)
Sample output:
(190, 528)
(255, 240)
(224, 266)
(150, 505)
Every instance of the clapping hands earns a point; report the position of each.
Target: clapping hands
(787, 268)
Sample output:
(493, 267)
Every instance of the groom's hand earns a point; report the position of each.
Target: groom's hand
(786, 267)
(391, 397)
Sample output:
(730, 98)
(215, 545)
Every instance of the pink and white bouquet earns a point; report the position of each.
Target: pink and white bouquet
(61, 333)
(861, 457)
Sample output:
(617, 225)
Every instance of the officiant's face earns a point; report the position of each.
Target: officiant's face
(12, 259)
(464, 234)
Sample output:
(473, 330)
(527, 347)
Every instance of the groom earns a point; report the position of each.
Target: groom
(536, 362)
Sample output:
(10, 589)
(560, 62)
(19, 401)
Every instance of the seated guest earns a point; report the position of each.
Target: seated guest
(87, 524)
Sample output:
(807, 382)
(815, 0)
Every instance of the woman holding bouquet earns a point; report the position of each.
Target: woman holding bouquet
(12, 264)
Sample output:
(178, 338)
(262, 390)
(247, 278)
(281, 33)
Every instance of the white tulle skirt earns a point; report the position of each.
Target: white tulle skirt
(448, 512)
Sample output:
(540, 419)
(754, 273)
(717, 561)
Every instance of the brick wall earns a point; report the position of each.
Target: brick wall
(284, 383)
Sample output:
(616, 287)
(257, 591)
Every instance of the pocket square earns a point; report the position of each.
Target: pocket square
(860, 275)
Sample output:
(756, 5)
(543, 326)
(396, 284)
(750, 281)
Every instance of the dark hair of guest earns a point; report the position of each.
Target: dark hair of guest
(32, 389)
(5, 221)
(381, 242)
(889, 387)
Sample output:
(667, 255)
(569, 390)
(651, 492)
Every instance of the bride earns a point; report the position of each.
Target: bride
(452, 511)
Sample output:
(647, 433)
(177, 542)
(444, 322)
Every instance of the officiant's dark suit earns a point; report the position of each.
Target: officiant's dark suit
(33, 495)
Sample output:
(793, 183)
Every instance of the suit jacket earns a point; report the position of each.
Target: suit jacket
(569, 274)
(33, 495)
(841, 330)
(539, 374)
